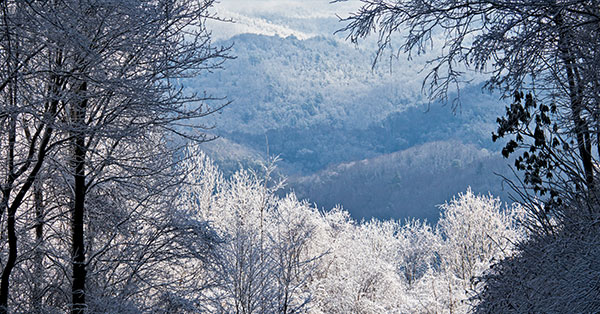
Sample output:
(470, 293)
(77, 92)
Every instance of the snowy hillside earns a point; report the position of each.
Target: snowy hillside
(318, 103)
(300, 92)
(409, 183)
(286, 82)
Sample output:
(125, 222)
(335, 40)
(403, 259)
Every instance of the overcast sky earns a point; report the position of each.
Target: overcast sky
(278, 17)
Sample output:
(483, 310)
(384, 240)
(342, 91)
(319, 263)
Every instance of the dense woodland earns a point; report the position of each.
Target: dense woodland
(109, 204)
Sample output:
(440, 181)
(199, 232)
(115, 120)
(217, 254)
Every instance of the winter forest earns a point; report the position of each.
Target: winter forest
(299, 156)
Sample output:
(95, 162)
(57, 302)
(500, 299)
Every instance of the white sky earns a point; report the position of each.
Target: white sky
(255, 16)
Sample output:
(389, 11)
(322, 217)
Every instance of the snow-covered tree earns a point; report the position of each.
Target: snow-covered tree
(263, 262)
(476, 231)
(93, 83)
(278, 254)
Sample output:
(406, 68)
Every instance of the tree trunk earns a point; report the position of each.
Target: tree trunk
(10, 222)
(78, 204)
(12, 255)
(10, 263)
(38, 258)
(582, 132)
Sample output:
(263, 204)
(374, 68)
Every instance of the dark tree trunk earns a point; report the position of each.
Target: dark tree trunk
(10, 222)
(12, 257)
(582, 132)
(78, 204)
(38, 258)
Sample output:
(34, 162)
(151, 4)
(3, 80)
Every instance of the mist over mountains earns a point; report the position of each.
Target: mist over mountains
(347, 133)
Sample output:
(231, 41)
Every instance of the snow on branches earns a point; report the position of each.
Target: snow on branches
(281, 255)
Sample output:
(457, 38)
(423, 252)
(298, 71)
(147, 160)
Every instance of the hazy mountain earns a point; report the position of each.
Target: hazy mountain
(277, 82)
(318, 103)
(323, 94)
(408, 183)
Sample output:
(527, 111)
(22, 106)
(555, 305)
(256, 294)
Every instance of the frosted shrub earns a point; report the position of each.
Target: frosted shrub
(552, 273)
(263, 261)
(358, 274)
(476, 230)
(443, 266)
(418, 250)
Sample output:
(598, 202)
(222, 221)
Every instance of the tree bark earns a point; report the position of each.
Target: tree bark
(38, 258)
(78, 204)
(582, 132)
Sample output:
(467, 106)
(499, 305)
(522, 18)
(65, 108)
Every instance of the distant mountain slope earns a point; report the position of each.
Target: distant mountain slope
(318, 103)
(278, 82)
(313, 148)
(409, 183)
